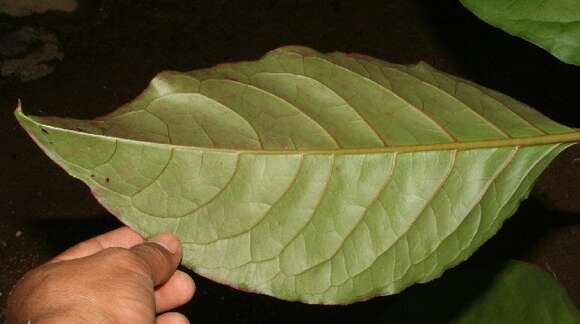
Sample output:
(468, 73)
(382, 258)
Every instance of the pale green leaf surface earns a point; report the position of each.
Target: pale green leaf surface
(324, 178)
(553, 25)
(508, 293)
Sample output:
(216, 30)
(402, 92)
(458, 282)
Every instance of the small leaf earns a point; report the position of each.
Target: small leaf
(553, 25)
(514, 292)
(323, 178)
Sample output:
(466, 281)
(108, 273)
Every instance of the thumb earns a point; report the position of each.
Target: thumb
(161, 254)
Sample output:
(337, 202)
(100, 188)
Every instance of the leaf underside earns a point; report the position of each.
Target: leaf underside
(322, 178)
(553, 25)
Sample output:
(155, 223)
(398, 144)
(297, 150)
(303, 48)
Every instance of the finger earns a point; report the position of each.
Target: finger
(172, 318)
(161, 254)
(121, 237)
(177, 291)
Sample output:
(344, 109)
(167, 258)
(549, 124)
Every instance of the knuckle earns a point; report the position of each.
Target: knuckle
(125, 258)
(117, 252)
(155, 251)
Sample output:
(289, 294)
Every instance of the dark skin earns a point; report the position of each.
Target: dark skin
(117, 277)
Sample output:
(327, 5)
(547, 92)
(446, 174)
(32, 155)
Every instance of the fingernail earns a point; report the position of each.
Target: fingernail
(166, 240)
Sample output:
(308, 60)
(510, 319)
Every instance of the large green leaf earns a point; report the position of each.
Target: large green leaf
(510, 293)
(324, 178)
(553, 25)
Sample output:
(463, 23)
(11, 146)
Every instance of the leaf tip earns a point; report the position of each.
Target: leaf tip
(19, 114)
(18, 109)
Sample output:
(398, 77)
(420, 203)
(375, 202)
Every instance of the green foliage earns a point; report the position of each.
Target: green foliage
(323, 178)
(512, 292)
(553, 25)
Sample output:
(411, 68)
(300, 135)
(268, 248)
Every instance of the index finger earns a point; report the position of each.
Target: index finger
(121, 237)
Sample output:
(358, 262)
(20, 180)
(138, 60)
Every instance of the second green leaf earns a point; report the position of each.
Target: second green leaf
(553, 25)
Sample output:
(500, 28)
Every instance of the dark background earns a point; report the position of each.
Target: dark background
(113, 48)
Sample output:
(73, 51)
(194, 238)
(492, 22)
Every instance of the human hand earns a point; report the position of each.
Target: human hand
(117, 277)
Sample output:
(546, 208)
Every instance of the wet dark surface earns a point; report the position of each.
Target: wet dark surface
(113, 48)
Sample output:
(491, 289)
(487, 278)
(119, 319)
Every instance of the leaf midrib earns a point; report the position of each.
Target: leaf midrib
(460, 146)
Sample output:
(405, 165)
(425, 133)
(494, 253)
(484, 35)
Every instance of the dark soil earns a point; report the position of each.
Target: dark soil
(112, 48)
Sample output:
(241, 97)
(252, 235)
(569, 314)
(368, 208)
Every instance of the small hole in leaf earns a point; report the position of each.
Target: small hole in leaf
(92, 175)
(44, 131)
(107, 179)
